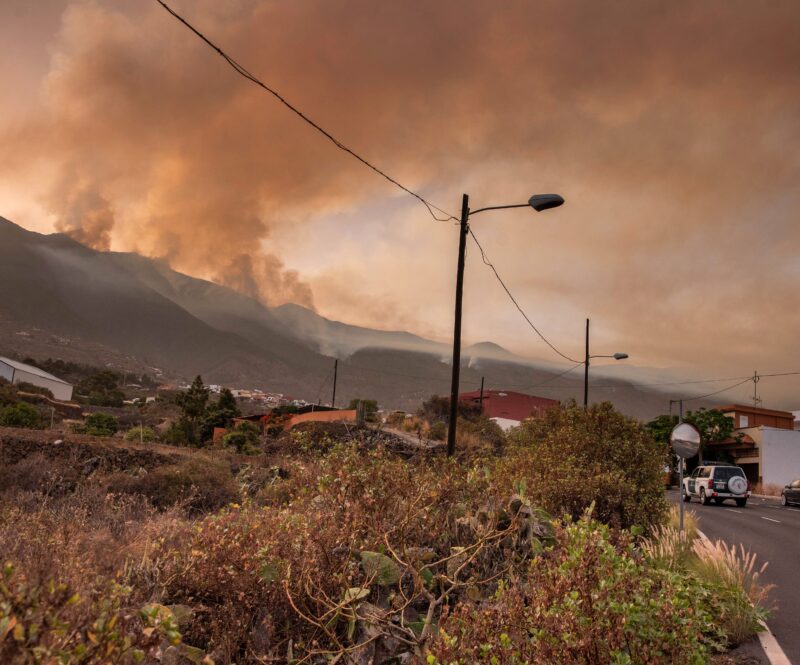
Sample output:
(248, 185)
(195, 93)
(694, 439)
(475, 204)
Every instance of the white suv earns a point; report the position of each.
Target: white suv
(717, 482)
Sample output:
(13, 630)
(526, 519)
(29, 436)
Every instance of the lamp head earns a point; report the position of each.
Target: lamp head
(541, 202)
(620, 356)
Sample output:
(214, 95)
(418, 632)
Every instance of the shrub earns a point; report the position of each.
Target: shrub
(593, 599)
(49, 623)
(21, 415)
(244, 439)
(141, 433)
(570, 458)
(38, 473)
(26, 387)
(437, 407)
(100, 424)
(438, 431)
(200, 484)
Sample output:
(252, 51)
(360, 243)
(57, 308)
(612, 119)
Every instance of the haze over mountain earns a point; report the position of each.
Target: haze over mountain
(59, 298)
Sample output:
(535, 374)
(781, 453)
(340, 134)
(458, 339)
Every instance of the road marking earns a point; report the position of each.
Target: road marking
(772, 649)
(771, 520)
(735, 511)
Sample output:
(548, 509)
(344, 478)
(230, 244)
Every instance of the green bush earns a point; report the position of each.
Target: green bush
(571, 458)
(141, 433)
(244, 439)
(99, 424)
(21, 414)
(593, 599)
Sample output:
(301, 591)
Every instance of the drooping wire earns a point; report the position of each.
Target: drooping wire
(547, 382)
(717, 392)
(487, 262)
(240, 69)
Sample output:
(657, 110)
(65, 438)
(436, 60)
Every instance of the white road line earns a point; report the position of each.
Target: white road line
(735, 511)
(772, 649)
(771, 520)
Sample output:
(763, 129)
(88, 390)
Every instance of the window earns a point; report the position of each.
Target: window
(695, 473)
(726, 473)
(705, 472)
(744, 421)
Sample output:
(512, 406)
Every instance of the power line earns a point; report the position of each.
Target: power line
(717, 392)
(547, 381)
(240, 69)
(514, 300)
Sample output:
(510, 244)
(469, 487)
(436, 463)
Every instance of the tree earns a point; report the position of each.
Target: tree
(712, 424)
(219, 414)
(244, 438)
(370, 407)
(661, 427)
(101, 389)
(193, 404)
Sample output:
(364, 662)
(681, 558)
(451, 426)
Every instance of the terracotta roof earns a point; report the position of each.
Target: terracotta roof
(509, 404)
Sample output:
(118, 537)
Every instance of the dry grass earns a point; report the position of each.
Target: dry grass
(734, 575)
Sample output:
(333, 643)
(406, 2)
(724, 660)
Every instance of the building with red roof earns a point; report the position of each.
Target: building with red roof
(507, 407)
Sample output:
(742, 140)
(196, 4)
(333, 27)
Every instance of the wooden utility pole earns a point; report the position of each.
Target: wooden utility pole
(462, 248)
(756, 399)
(480, 401)
(335, 373)
(586, 370)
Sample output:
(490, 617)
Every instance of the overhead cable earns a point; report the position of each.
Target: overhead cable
(240, 69)
(516, 304)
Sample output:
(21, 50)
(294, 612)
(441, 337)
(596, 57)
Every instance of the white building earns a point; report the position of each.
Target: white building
(765, 444)
(17, 372)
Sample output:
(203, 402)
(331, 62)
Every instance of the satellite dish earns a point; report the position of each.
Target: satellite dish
(685, 440)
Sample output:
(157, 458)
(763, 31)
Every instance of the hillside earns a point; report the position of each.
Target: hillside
(59, 298)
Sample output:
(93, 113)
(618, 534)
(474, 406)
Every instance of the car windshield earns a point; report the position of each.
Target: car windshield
(726, 473)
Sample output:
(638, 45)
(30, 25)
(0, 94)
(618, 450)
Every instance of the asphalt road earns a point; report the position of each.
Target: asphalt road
(773, 533)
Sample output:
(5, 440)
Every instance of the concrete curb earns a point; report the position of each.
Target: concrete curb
(772, 650)
(765, 496)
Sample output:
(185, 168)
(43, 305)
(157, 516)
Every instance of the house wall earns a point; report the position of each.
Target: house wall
(780, 455)
(61, 391)
(6, 371)
(758, 417)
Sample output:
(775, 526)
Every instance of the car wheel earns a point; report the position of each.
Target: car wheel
(783, 499)
(741, 502)
(703, 498)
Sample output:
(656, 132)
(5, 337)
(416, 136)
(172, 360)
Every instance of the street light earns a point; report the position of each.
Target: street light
(538, 202)
(616, 356)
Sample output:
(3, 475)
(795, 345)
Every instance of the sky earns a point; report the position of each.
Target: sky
(672, 129)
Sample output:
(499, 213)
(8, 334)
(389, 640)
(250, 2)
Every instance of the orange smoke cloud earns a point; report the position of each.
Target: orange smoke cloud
(671, 128)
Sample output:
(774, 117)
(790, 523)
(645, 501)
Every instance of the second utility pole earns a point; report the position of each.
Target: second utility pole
(462, 247)
(586, 370)
(335, 371)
